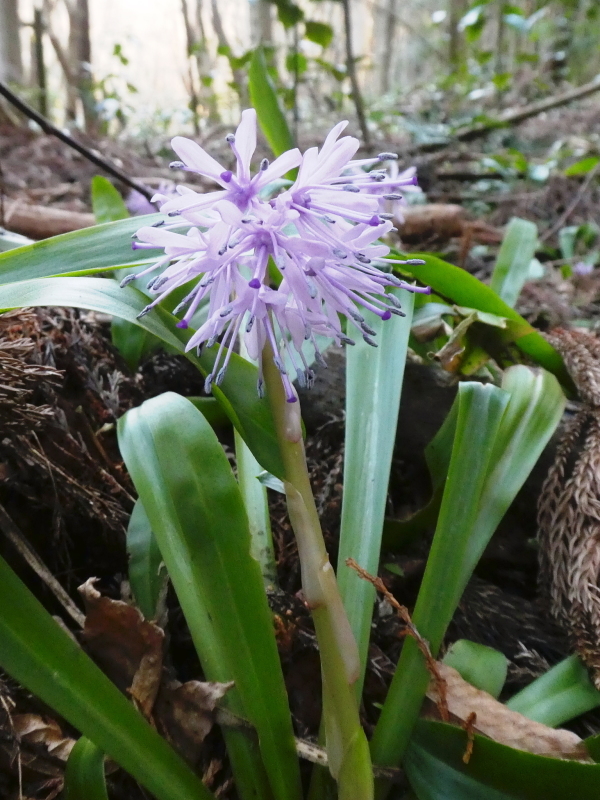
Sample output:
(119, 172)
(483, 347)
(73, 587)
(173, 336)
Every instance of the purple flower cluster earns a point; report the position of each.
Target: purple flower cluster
(322, 233)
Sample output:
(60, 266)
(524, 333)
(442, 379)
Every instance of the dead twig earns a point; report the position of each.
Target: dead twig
(22, 546)
(430, 662)
(572, 205)
(51, 129)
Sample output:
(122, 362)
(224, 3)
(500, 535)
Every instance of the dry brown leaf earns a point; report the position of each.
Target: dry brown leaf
(128, 648)
(507, 727)
(185, 713)
(33, 730)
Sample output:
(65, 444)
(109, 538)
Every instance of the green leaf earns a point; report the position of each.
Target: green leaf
(264, 99)
(147, 573)
(495, 772)
(84, 775)
(131, 341)
(318, 32)
(561, 694)
(465, 290)
(583, 166)
(194, 506)
(515, 255)
(500, 434)
(237, 394)
(373, 388)
(483, 667)
(480, 411)
(289, 13)
(107, 203)
(98, 249)
(39, 654)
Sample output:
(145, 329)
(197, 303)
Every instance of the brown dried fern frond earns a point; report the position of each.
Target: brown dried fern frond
(569, 508)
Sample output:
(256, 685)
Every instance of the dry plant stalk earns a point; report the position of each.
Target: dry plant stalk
(569, 508)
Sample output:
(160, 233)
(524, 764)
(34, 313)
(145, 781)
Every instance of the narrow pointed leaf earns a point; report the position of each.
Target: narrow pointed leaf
(264, 98)
(85, 252)
(373, 388)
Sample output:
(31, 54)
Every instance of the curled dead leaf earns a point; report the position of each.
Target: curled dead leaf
(185, 713)
(39, 737)
(507, 727)
(127, 647)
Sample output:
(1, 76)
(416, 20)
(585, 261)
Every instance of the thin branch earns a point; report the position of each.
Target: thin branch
(51, 129)
(572, 205)
(20, 543)
(351, 69)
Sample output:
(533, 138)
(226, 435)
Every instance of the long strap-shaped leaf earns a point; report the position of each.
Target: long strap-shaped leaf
(194, 506)
(466, 290)
(373, 386)
(39, 654)
(84, 252)
(237, 394)
(496, 444)
(436, 769)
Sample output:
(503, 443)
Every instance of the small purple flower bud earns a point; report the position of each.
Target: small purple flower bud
(375, 220)
(386, 315)
(181, 324)
(226, 176)
(254, 283)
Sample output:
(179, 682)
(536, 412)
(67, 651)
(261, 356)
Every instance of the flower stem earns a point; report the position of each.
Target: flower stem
(347, 747)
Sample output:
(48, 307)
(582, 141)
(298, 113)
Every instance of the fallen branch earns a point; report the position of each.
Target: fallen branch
(41, 222)
(51, 129)
(507, 118)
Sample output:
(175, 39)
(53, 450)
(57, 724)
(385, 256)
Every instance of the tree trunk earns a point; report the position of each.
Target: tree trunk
(261, 23)
(456, 53)
(80, 58)
(11, 65)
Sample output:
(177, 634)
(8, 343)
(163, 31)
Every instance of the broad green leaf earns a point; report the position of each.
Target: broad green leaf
(435, 768)
(464, 289)
(147, 573)
(515, 255)
(561, 694)
(583, 166)
(318, 32)
(264, 99)
(483, 667)
(373, 387)
(107, 203)
(84, 775)
(194, 506)
(480, 411)
(40, 655)
(237, 394)
(91, 250)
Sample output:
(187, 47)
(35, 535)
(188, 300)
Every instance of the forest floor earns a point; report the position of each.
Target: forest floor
(65, 493)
